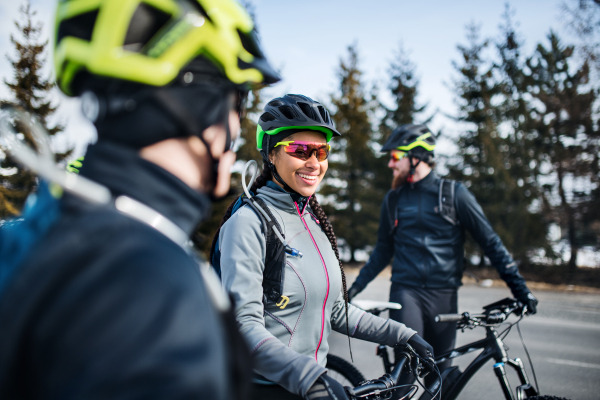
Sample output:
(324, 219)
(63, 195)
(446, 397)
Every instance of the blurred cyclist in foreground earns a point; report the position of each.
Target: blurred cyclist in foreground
(102, 301)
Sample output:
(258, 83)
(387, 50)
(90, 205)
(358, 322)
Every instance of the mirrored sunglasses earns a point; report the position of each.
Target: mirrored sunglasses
(304, 150)
(397, 155)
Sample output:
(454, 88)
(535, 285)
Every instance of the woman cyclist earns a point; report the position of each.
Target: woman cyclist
(288, 335)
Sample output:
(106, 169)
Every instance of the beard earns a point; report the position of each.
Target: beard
(399, 179)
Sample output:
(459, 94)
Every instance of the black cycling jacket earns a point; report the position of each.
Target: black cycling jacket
(427, 249)
(107, 307)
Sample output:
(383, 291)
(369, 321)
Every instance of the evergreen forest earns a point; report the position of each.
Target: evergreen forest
(528, 149)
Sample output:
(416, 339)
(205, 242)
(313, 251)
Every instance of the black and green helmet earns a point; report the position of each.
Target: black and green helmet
(289, 114)
(416, 140)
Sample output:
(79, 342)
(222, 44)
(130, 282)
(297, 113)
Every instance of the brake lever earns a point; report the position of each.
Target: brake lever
(427, 365)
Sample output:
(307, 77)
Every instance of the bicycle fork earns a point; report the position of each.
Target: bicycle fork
(525, 389)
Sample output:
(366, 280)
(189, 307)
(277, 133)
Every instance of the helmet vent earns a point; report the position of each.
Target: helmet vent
(196, 4)
(299, 97)
(266, 117)
(324, 114)
(145, 23)
(308, 111)
(275, 103)
(250, 43)
(287, 111)
(80, 26)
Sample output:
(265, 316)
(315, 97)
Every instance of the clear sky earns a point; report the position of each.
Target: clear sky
(306, 39)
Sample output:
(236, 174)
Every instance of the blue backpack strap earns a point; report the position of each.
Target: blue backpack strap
(17, 237)
(215, 260)
(446, 201)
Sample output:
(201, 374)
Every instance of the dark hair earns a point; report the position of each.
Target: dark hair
(260, 181)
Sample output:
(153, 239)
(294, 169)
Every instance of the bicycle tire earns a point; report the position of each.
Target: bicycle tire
(346, 370)
(546, 397)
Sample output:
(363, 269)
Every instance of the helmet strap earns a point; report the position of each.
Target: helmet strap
(411, 174)
(271, 166)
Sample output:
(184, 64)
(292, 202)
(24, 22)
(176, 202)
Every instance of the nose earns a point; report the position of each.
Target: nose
(312, 161)
(391, 163)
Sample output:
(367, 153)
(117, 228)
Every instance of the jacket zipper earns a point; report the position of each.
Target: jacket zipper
(422, 237)
(326, 276)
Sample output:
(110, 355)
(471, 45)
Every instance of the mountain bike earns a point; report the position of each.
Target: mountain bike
(492, 319)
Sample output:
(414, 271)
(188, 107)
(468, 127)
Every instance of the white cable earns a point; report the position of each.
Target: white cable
(258, 207)
(42, 161)
(248, 164)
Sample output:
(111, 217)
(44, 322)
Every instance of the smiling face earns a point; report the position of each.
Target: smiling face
(303, 176)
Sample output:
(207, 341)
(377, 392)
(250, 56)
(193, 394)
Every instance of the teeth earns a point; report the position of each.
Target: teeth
(309, 177)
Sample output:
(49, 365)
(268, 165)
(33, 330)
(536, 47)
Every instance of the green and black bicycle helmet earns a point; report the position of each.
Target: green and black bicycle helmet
(284, 116)
(292, 112)
(416, 140)
(151, 41)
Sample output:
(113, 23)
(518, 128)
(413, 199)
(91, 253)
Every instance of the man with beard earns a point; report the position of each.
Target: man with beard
(423, 223)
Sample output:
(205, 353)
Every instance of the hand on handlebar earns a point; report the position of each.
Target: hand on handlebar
(529, 300)
(421, 347)
(353, 291)
(326, 388)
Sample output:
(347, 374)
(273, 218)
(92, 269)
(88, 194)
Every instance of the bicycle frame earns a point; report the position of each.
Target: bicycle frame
(493, 348)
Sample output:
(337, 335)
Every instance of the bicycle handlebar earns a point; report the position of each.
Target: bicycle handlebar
(495, 313)
(389, 382)
(449, 318)
(384, 383)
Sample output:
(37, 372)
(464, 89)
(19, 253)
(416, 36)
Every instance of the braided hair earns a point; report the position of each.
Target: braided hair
(260, 181)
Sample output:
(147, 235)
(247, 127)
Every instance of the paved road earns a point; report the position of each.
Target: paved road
(563, 339)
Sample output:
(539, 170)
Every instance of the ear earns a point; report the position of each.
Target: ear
(274, 154)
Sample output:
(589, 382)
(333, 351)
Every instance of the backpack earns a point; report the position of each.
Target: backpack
(445, 203)
(275, 257)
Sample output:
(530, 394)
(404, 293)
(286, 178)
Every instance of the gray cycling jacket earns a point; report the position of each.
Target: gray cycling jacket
(289, 342)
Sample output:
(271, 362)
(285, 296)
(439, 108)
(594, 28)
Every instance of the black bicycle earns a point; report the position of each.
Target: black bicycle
(494, 319)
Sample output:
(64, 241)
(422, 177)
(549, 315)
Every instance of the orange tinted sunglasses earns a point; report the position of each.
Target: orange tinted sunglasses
(397, 155)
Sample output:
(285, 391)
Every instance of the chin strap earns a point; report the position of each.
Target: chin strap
(411, 174)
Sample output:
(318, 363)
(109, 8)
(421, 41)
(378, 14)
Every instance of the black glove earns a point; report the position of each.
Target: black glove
(423, 349)
(530, 301)
(326, 388)
(353, 291)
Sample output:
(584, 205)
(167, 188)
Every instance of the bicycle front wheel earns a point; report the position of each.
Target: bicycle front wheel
(343, 372)
(545, 397)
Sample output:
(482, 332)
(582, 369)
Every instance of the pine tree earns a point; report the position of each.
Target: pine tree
(583, 18)
(481, 163)
(353, 202)
(566, 135)
(404, 88)
(30, 90)
(525, 223)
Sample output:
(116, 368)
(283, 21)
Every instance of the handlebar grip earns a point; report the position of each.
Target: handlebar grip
(449, 318)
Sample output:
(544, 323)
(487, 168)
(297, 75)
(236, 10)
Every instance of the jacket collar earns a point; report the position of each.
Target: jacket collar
(124, 172)
(426, 181)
